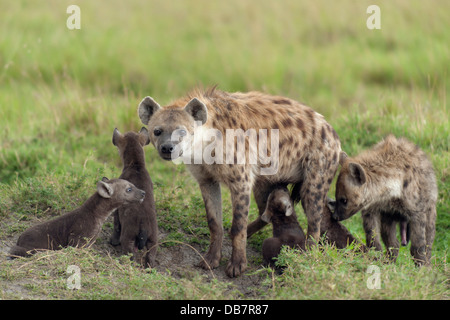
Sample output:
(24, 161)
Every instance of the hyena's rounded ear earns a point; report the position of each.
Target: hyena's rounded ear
(105, 190)
(357, 173)
(288, 206)
(116, 136)
(197, 110)
(342, 157)
(147, 109)
(266, 216)
(289, 210)
(144, 137)
(331, 204)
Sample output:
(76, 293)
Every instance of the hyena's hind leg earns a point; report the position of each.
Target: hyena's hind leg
(18, 251)
(389, 236)
(150, 252)
(430, 231)
(115, 236)
(419, 239)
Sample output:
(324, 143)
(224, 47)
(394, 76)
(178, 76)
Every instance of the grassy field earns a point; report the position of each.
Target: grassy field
(62, 92)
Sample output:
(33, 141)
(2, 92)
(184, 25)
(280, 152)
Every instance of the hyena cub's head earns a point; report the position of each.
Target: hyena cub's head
(169, 126)
(131, 143)
(350, 189)
(120, 191)
(279, 205)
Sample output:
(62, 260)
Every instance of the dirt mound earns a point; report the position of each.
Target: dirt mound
(180, 260)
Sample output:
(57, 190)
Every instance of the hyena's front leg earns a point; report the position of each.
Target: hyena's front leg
(240, 198)
(371, 228)
(313, 191)
(313, 202)
(213, 204)
(313, 194)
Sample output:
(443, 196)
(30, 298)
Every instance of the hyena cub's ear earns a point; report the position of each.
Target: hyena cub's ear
(147, 109)
(357, 173)
(342, 157)
(288, 207)
(105, 190)
(116, 137)
(144, 137)
(266, 216)
(197, 110)
(331, 204)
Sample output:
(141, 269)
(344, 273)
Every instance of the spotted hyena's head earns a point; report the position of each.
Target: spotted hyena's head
(171, 126)
(350, 188)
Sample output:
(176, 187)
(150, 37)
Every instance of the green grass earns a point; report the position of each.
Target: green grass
(62, 92)
(103, 278)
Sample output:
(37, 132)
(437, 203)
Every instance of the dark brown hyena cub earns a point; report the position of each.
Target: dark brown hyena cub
(335, 233)
(135, 225)
(286, 229)
(79, 228)
(391, 183)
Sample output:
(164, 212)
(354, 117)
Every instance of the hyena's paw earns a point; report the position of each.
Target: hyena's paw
(236, 268)
(114, 240)
(312, 241)
(209, 261)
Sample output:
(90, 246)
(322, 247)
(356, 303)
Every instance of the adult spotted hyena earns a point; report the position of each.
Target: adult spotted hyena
(392, 182)
(283, 142)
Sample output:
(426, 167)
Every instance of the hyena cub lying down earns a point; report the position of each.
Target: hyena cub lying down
(135, 225)
(80, 227)
(390, 183)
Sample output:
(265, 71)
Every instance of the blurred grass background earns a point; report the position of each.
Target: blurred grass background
(63, 91)
(56, 82)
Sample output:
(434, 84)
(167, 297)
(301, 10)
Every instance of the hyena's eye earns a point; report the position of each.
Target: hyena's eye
(157, 132)
(182, 132)
(129, 190)
(343, 201)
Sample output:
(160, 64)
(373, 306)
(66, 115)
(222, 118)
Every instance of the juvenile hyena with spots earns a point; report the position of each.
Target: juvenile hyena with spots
(391, 183)
(306, 154)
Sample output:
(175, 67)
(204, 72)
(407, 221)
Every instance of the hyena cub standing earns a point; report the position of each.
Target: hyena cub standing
(135, 225)
(392, 182)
